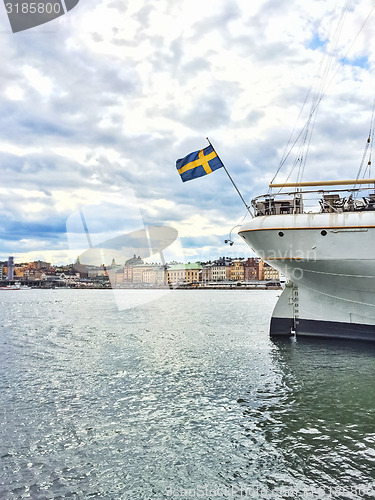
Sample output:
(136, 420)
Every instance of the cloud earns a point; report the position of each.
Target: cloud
(112, 94)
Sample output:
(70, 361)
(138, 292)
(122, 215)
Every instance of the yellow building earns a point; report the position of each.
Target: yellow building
(184, 273)
(270, 274)
(237, 272)
(261, 270)
(18, 272)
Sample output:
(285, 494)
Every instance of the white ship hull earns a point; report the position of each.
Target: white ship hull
(329, 260)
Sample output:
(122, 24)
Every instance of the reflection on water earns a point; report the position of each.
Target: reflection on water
(316, 426)
(183, 394)
(330, 427)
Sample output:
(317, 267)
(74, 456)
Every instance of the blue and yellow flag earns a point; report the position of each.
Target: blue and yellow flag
(199, 163)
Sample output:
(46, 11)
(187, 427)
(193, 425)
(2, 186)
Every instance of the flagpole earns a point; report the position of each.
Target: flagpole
(232, 181)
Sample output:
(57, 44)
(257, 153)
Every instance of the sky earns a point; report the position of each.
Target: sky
(98, 104)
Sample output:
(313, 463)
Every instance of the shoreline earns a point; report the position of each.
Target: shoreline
(260, 287)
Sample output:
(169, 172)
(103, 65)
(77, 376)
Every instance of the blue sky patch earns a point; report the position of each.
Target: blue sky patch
(316, 42)
(361, 62)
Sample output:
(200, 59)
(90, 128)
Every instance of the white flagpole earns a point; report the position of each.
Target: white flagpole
(232, 181)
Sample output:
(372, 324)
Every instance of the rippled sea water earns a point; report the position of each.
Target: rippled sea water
(185, 396)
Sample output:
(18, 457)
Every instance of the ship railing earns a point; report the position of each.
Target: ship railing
(349, 199)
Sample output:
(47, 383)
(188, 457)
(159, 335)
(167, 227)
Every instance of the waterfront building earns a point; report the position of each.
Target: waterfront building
(128, 270)
(270, 274)
(154, 275)
(261, 270)
(134, 261)
(251, 269)
(138, 273)
(237, 270)
(82, 269)
(114, 266)
(221, 271)
(34, 274)
(65, 268)
(115, 273)
(18, 272)
(10, 268)
(207, 272)
(217, 270)
(97, 271)
(116, 277)
(64, 278)
(87, 271)
(39, 264)
(128, 273)
(184, 273)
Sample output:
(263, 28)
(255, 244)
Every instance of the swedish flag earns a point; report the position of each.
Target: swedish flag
(199, 163)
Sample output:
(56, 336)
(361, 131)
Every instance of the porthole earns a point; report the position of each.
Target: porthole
(281, 234)
(323, 233)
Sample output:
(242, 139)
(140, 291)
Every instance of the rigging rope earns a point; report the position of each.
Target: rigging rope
(367, 146)
(317, 98)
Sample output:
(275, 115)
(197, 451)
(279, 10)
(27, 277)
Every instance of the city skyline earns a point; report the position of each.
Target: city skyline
(144, 262)
(135, 272)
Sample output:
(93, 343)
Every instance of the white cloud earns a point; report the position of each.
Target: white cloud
(37, 81)
(14, 93)
(117, 91)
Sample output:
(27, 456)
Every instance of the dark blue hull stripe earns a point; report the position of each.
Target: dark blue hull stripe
(328, 329)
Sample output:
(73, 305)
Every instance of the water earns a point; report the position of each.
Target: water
(182, 397)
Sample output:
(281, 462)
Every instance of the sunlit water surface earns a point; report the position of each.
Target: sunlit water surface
(185, 396)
